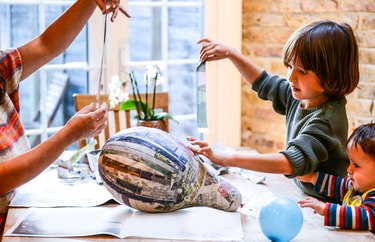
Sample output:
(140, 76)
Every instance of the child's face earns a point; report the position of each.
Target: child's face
(305, 86)
(361, 169)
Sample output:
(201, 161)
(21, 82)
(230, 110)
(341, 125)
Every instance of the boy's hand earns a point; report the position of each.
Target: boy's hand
(213, 50)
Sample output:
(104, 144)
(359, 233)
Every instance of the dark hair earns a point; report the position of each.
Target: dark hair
(364, 136)
(330, 50)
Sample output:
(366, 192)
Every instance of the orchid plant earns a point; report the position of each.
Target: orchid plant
(152, 78)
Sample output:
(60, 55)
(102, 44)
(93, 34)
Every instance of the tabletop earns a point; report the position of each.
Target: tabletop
(255, 195)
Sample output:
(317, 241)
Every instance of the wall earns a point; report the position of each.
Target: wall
(266, 27)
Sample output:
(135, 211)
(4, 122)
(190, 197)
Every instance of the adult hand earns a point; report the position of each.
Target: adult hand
(212, 50)
(310, 202)
(111, 6)
(88, 122)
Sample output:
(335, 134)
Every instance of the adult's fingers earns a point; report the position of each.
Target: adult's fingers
(122, 10)
(204, 40)
(87, 109)
(114, 14)
(100, 112)
(101, 5)
(100, 128)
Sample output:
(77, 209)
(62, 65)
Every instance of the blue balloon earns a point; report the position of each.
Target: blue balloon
(281, 219)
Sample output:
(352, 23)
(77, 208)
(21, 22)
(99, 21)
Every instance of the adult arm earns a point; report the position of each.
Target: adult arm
(18, 170)
(57, 37)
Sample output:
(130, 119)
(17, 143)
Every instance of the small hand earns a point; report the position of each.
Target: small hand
(111, 6)
(212, 50)
(310, 202)
(204, 149)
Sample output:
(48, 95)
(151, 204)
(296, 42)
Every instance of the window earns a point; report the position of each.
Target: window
(160, 31)
(165, 32)
(20, 21)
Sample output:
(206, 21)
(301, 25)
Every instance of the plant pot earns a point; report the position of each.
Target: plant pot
(157, 124)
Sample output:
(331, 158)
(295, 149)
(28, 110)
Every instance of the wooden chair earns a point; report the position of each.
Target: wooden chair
(117, 119)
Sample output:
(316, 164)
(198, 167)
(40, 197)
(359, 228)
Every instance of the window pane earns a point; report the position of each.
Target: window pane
(184, 31)
(145, 33)
(182, 98)
(29, 102)
(183, 129)
(34, 140)
(20, 24)
(182, 28)
(64, 109)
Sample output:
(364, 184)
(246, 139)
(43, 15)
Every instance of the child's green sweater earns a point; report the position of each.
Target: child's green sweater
(316, 137)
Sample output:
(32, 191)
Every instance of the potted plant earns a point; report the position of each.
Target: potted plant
(146, 114)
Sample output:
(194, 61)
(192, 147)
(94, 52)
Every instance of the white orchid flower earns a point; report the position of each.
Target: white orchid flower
(159, 81)
(117, 92)
(152, 71)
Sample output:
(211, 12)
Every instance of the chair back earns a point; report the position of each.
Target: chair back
(117, 119)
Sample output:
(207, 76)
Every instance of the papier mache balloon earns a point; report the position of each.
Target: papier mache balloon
(153, 171)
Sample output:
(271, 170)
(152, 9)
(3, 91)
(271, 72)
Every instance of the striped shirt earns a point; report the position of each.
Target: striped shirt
(353, 210)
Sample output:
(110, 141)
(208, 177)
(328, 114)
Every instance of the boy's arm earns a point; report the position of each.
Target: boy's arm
(271, 163)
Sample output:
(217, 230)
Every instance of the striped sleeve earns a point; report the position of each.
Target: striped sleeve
(331, 186)
(352, 217)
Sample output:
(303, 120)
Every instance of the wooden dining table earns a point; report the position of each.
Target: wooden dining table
(255, 196)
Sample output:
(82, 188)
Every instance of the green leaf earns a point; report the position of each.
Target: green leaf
(141, 107)
(128, 105)
(136, 105)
